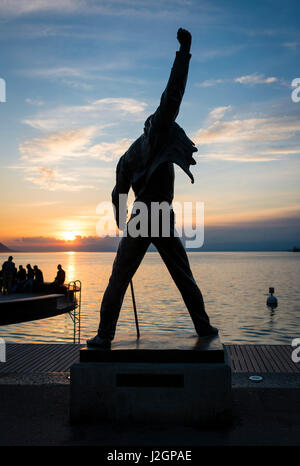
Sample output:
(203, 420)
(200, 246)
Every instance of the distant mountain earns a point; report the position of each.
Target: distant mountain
(4, 248)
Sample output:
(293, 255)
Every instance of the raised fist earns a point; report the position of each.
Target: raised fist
(184, 37)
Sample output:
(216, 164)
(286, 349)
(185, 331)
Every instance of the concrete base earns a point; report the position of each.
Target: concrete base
(115, 388)
(190, 394)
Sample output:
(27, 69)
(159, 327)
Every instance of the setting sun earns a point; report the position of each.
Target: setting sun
(70, 235)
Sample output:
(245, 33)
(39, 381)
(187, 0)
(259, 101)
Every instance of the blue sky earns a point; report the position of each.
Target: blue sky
(82, 76)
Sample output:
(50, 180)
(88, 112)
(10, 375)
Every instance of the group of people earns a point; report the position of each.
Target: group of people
(27, 280)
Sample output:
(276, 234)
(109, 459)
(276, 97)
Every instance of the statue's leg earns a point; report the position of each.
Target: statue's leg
(174, 256)
(129, 256)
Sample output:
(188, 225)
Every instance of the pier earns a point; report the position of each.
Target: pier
(25, 307)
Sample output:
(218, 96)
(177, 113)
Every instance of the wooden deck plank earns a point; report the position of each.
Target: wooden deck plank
(33, 357)
(260, 365)
(254, 359)
(247, 362)
(19, 358)
(250, 360)
(28, 358)
(280, 358)
(273, 361)
(64, 360)
(52, 359)
(46, 357)
(237, 358)
(285, 354)
(66, 364)
(265, 358)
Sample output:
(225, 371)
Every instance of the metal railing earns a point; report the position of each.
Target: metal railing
(74, 295)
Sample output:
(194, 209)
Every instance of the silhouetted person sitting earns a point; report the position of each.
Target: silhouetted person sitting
(38, 279)
(8, 272)
(147, 167)
(28, 287)
(58, 284)
(60, 276)
(30, 272)
(21, 279)
(21, 275)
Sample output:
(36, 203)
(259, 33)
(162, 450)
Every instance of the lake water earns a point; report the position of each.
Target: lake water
(234, 285)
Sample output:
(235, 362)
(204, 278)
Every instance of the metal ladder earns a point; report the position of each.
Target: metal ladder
(74, 295)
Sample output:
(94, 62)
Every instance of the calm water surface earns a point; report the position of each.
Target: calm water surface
(234, 285)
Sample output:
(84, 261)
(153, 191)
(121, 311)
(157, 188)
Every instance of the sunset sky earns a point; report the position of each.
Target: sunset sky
(83, 75)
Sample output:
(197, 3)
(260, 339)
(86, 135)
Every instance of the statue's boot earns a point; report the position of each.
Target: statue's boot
(207, 330)
(101, 343)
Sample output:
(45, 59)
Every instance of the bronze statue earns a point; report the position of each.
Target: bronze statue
(147, 168)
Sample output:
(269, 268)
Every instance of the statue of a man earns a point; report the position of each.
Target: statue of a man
(147, 168)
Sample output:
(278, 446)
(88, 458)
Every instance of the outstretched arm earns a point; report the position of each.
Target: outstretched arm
(171, 98)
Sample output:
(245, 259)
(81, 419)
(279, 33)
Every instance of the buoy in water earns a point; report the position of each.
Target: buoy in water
(272, 300)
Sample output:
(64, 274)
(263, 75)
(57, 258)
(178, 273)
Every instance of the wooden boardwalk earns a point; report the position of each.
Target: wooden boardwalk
(44, 358)
(262, 358)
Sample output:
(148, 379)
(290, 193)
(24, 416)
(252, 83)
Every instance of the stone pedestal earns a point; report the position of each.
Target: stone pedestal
(155, 379)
